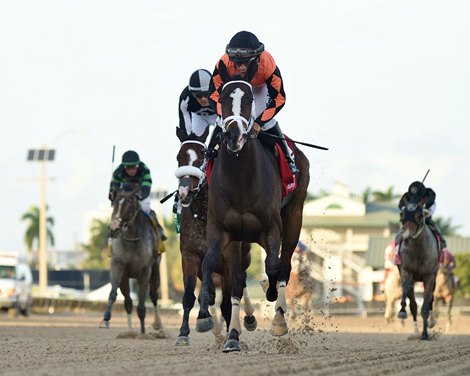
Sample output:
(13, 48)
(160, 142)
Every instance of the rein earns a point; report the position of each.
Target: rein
(125, 225)
(420, 226)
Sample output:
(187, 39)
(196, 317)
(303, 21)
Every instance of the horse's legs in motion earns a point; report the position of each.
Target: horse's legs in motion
(116, 273)
(429, 285)
(190, 269)
(272, 244)
(237, 285)
(226, 304)
(209, 263)
(154, 285)
(413, 309)
(406, 286)
(126, 292)
(143, 283)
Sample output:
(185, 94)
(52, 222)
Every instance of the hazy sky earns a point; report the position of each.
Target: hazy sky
(384, 84)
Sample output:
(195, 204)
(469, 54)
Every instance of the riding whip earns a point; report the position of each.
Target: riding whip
(425, 176)
(167, 197)
(296, 142)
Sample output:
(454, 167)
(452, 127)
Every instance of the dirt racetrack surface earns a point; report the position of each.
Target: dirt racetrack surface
(72, 344)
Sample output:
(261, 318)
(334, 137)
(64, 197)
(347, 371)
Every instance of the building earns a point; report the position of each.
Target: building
(337, 228)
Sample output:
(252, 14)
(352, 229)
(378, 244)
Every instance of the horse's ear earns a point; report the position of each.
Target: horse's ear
(181, 134)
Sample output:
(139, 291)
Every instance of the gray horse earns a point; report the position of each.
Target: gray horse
(419, 254)
(134, 255)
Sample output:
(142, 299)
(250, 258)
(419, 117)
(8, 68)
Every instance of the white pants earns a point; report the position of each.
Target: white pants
(200, 123)
(261, 102)
(145, 205)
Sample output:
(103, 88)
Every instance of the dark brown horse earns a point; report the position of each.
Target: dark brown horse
(444, 292)
(246, 205)
(134, 255)
(193, 197)
(419, 255)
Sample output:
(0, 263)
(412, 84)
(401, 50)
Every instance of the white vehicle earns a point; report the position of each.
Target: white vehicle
(15, 284)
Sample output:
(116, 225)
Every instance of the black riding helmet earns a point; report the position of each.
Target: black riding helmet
(244, 46)
(130, 158)
(416, 189)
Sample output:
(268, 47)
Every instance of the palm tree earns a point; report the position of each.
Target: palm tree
(32, 232)
(387, 196)
(98, 245)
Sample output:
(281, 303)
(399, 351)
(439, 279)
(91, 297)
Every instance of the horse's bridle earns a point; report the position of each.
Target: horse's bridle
(118, 226)
(412, 207)
(188, 172)
(244, 124)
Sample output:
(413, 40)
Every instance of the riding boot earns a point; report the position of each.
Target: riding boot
(156, 225)
(276, 131)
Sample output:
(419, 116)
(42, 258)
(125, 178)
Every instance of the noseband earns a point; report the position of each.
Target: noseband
(244, 124)
(411, 207)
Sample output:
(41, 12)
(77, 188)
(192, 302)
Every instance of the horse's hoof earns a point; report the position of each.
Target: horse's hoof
(402, 315)
(182, 341)
(204, 325)
(231, 345)
(104, 324)
(279, 325)
(424, 337)
(249, 322)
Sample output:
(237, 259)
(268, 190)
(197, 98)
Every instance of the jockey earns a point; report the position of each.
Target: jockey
(195, 110)
(418, 193)
(133, 170)
(246, 58)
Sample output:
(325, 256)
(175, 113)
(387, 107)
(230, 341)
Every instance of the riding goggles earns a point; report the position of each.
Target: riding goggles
(200, 94)
(243, 54)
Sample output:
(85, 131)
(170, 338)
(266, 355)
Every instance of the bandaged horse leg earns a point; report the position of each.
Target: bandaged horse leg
(249, 321)
(279, 324)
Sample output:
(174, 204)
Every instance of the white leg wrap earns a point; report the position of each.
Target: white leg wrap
(416, 328)
(249, 309)
(281, 296)
(129, 321)
(235, 321)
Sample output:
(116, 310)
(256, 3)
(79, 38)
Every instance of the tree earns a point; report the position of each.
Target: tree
(32, 232)
(366, 195)
(97, 248)
(387, 196)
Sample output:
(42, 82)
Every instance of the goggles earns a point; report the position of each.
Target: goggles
(200, 94)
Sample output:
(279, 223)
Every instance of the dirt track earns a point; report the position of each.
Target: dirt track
(71, 344)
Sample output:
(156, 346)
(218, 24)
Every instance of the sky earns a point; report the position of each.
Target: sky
(384, 84)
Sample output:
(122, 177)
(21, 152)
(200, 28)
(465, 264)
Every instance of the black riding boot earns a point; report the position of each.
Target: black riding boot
(276, 131)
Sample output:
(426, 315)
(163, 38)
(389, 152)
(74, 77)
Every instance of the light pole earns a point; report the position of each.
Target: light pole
(42, 155)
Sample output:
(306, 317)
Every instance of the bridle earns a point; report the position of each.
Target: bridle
(412, 207)
(186, 173)
(118, 225)
(243, 124)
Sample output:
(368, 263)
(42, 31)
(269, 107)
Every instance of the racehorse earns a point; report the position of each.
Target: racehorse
(193, 197)
(419, 253)
(134, 255)
(300, 287)
(392, 292)
(444, 292)
(245, 205)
